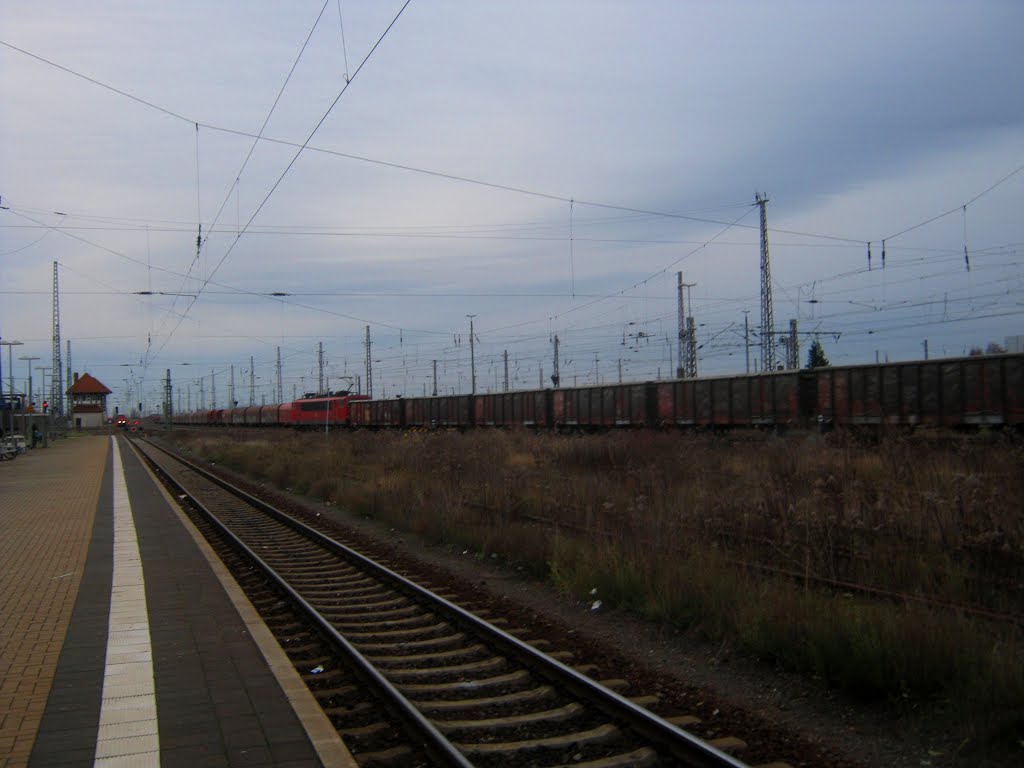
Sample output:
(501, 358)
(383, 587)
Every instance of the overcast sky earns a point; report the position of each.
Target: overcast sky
(545, 166)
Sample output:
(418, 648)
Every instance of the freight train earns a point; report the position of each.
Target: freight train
(954, 393)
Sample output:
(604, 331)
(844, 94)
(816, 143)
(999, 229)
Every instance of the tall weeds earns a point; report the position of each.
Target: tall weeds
(747, 539)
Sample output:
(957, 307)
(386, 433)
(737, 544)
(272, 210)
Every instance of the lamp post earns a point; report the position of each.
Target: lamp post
(30, 406)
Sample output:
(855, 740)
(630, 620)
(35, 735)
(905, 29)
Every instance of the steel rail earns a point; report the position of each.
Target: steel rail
(674, 740)
(429, 737)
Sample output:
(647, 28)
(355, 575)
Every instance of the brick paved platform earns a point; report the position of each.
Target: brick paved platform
(99, 668)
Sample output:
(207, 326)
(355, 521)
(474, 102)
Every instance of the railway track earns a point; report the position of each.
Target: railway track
(408, 677)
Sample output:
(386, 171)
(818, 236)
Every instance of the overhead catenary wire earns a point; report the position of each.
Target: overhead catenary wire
(287, 168)
(493, 185)
(400, 166)
(99, 83)
(471, 232)
(638, 283)
(951, 211)
(990, 249)
(210, 230)
(270, 113)
(312, 133)
(967, 259)
(230, 289)
(199, 206)
(199, 237)
(27, 245)
(572, 263)
(344, 48)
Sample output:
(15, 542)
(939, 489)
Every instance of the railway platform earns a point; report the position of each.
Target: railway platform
(123, 642)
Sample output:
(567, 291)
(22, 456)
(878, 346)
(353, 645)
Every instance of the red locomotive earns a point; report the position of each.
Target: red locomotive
(322, 412)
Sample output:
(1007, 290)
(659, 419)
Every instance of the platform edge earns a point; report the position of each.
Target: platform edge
(325, 739)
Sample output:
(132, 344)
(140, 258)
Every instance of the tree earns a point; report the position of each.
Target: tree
(816, 356)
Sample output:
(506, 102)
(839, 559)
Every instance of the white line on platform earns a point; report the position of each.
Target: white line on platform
(128, 724)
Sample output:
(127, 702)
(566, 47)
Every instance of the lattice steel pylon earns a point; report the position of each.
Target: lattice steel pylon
(767, 314)
(57, 381)
(687, 332)
(280, 387)
(320, 369)
(555, 376)
(369, 365)
(794, 346)
(691, 348)
(683, 333)
(169, 399)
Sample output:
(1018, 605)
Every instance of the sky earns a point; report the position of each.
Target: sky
(537, 169)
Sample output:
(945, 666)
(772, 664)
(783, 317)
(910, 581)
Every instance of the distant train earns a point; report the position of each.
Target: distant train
(314, 412)
(952, 393)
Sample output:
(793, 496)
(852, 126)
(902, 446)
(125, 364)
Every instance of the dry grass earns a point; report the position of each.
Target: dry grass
(658, 522)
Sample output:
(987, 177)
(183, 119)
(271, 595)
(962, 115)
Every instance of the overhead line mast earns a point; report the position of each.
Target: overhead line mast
(57, 382)
(369, 365)
(767, 314)
(687, 335)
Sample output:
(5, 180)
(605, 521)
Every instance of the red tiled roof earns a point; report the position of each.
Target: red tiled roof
(88, 385)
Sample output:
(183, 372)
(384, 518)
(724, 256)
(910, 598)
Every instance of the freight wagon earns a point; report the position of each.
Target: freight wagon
(953, 393)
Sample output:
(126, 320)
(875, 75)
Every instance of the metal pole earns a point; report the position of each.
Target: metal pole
(10, 365)
(767, 313)
(168, 400)
(10, 372)
(57, 393)
(30, 406)
(42, 385)
(794, 345)
(71, 401)
(555, 376)
(320, 368)
(369, 365)
(746, 335)
(681, 369)
(472, 357)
